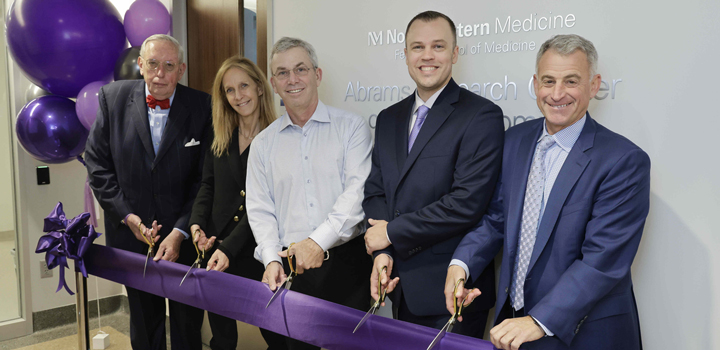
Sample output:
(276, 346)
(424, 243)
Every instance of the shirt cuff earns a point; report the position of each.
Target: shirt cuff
(270, 255)
(183, 232)
(324, 236)
(547, 331)
(387, 235)
(463, 265)
(124, 220)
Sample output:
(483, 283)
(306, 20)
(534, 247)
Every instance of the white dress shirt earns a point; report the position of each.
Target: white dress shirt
(308, 181)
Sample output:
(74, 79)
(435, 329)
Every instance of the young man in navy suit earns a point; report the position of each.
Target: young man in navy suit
(435, 162)
(144, 161)
(569, 212)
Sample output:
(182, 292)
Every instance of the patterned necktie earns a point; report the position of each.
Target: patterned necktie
(421, 114)
(530, 217)
(152, 102)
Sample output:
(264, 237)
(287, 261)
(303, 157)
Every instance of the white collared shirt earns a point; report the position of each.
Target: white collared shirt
(308, 181)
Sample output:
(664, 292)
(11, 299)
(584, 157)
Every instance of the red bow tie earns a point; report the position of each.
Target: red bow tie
(152, 102)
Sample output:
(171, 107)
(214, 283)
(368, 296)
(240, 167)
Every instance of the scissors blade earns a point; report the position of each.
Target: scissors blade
(367, 314)
(146, 261)
(188, 272)
(439, 336)
(277, 291)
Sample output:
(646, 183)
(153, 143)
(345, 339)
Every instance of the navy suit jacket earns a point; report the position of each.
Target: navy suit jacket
(125, 173)
(578, 283)
(438, 192)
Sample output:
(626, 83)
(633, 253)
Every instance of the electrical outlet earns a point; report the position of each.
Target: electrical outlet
(44, 271)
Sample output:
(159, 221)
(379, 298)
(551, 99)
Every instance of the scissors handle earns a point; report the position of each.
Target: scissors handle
(290, 260)
(149, 242)
(381, 292)
(458, 309)
(196, 246)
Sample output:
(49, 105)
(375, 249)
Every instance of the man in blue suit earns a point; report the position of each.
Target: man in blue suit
(435, 163)
(568, 211)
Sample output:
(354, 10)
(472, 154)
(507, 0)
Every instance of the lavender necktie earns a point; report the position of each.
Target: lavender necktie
(530, 217)
(421, 114)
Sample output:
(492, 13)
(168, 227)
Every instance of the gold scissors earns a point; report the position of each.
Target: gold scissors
(288, 282)
(376, 306)
(197, 262)
(151, 245)
(450, 323)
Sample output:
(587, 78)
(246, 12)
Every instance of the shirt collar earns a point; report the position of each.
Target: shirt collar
(320, 115)
(147, 93)
(430, 101)
(567, 137)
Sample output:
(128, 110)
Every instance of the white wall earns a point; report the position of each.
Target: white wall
(7, 213)
(666, 57)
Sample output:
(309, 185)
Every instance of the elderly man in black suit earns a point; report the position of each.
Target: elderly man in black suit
(144, 157)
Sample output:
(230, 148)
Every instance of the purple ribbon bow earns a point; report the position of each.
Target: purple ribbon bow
(66, 239)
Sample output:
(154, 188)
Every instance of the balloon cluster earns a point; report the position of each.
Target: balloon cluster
(71, 49)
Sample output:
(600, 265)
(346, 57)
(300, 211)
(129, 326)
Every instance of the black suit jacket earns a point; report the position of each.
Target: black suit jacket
(219, 208)
(434, 195)
(125, 173)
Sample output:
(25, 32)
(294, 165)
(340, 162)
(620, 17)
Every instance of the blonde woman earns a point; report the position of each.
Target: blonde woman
(242, 106)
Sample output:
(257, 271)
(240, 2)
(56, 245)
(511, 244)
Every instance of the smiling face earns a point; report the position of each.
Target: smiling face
(430, 54)
(564, 87)
(242, 93)
(160, 82)
(299, 92)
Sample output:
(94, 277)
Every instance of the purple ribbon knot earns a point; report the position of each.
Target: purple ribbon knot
(66, 239)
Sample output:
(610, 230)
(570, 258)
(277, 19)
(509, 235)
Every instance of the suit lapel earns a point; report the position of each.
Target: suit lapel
(570, 172)
(139, 114)
(523, 161)
(440, 111)
(402, 131)
(234, 159)
(176, 119)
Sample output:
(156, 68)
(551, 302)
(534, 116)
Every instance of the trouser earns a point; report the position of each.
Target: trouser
(224, 329)
(343, 279)
(147, 323)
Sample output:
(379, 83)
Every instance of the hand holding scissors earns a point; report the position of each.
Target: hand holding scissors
(287, 283)
(456, 315)
(378, 302)
(198, 261)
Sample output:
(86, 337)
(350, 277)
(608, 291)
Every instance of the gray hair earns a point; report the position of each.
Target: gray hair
(286, 43)
(567, 44)
(166, 38)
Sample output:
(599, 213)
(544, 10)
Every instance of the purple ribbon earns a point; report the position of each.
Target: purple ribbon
(66, 239)
(296, 315)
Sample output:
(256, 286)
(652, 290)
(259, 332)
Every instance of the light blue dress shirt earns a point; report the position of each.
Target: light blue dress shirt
(553, 162)
(308, 181)
(157, 118)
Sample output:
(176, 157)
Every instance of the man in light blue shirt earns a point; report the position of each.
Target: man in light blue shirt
(305, 181)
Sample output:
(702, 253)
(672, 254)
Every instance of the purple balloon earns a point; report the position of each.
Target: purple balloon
(145, 18)
(87, 103)
(63, 45)
(50, 131)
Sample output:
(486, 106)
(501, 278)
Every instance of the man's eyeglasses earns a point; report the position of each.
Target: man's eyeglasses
(153, 65)
(284, 74)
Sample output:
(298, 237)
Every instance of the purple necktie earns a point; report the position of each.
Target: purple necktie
(421, 114)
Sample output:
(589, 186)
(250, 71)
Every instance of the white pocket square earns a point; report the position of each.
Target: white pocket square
(192, 143)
